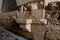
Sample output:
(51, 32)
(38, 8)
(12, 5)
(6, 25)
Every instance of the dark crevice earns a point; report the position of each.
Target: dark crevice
(58, 18)
(45, 34)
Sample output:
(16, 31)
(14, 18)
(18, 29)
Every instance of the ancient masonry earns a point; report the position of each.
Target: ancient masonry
(29, 19)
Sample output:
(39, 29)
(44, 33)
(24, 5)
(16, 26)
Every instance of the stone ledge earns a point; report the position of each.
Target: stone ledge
(32, 21)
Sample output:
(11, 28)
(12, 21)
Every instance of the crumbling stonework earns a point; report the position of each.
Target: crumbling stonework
(52, 32)
(16, 21)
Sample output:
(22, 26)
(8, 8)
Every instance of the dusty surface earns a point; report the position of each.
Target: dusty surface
(48, 32)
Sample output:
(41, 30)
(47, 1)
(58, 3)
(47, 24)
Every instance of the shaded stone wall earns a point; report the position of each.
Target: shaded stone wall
(9, 5)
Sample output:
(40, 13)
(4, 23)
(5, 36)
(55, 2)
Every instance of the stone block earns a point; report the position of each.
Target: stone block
(20, 2)
(7, 18)
(26, 27)
(25, 24)
(37, 14)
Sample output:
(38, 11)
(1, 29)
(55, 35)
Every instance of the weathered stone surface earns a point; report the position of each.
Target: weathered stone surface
(38, 32)
(38, 14)
(53, 33)
(7, 20)
(21, 15)
(8, 15)
(47, 32)
(20, 2)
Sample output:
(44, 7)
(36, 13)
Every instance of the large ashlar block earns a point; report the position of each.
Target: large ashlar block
(21, 15)
(20, 2)
(37, 14)
(26, 27)
(44, 21)
(1, 3)
(28, 24)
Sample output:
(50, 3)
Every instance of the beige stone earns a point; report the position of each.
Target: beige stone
(20, 2)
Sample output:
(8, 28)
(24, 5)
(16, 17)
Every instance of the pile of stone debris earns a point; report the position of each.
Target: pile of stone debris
(53, 12)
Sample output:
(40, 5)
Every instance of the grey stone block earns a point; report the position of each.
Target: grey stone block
(37, 14)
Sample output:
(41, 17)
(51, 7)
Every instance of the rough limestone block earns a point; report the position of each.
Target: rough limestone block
(21, 21)
(24, 21)
(43, 21)
(37, 14)
(27, 25)
(20, 2)
(7, 18)
(21, 15)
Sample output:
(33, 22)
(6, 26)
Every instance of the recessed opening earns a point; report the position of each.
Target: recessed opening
(9, 5)
(58, 17)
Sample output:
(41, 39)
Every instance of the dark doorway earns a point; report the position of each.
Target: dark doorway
(9, 5)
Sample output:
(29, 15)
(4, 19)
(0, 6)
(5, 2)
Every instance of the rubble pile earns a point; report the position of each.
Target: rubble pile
(52, 30)
(53, 12)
